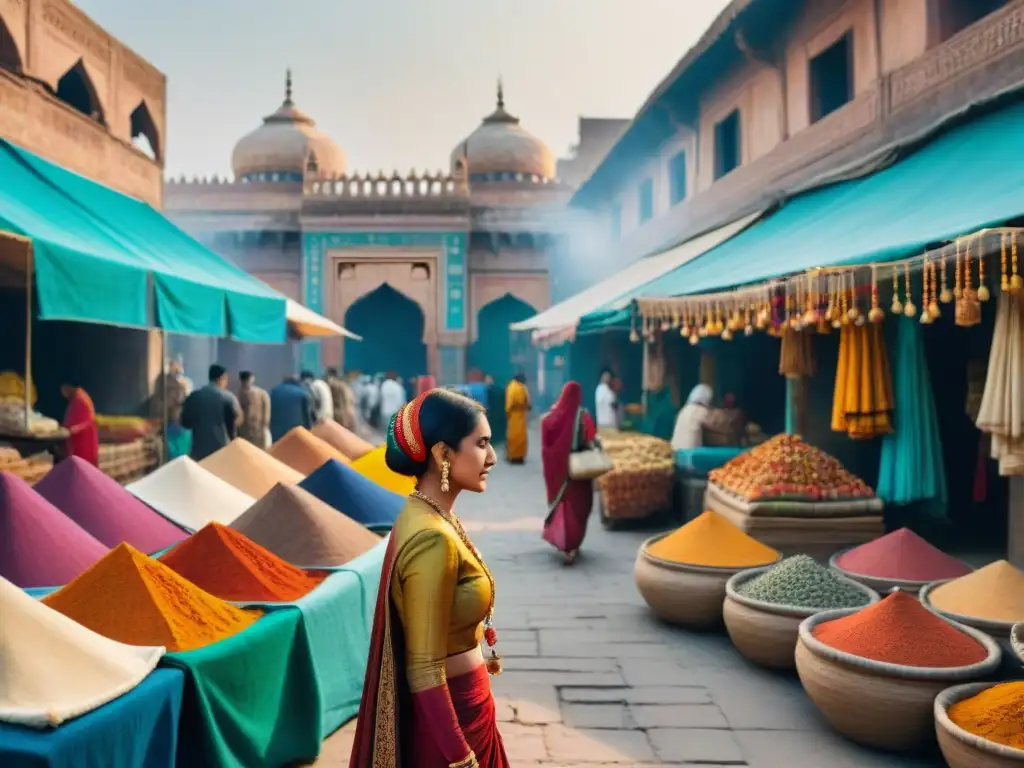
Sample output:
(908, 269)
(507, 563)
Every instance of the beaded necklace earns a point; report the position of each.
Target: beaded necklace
(493, 660)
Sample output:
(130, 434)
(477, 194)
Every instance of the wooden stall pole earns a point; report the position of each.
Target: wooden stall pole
(165, 446)
(28, 336)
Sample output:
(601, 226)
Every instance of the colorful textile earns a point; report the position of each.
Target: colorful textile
(80, 421)
(911, 467)
(55, 669)
(354, 495)
(40, 546)
(517, 409)
(251, 699)
(104, 508)
(136, 730)
(569, 501)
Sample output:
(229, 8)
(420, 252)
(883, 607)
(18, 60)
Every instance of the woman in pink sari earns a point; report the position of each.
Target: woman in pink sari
(569, 501)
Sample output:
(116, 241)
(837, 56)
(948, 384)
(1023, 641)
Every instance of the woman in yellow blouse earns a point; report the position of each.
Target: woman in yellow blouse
(517, 408)
(427, 698)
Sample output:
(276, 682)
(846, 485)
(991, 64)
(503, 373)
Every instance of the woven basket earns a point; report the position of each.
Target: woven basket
(766, 633)
(965, 750)
(688, 595)
(882, 586)
(880, 705)
(1000, 630)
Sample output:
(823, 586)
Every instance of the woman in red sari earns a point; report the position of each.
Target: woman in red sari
(569, 501)
(80, 421)
(427, 696)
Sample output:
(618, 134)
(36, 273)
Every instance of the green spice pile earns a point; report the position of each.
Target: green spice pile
(799, 581)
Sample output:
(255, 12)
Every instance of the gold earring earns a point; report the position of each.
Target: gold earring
(444, 476)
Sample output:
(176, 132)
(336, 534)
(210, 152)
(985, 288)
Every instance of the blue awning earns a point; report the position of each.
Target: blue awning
(968, 178)
(96, 253)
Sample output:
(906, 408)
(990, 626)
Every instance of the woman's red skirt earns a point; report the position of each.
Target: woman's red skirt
(474, 706)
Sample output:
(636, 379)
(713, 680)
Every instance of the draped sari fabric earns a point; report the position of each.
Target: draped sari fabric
(390, 731)
(80, 421)
(569, 501)
(517, 407)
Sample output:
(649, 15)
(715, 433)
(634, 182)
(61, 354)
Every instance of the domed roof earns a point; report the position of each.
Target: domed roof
(285, 146)
(502, 150)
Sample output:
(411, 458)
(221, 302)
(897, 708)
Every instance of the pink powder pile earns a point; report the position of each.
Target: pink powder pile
(902, 555)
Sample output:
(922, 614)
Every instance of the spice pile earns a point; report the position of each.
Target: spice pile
(994, 714)
(344, 440)
(785, 467)
(189, 496)
(642, 477)
(354, 495)
(40, 546)
(251, 470)
(104, 508)
(136, 600)
(994, 593)
(373, 467)
(799, 581)
(712, 541)
(229, 566)
(901, 555)
(304, 452)
(302, 530)
(899, 630)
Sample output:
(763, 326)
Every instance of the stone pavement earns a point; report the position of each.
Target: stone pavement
(591, 679)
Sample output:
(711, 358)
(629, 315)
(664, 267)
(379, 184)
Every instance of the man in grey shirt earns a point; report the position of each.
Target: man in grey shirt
(212, 413)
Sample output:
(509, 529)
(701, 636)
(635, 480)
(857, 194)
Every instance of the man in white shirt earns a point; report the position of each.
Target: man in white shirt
(392, 398)
(320, 391)
(606, 403)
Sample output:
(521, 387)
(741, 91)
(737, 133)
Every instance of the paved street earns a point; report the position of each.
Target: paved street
(591, 679)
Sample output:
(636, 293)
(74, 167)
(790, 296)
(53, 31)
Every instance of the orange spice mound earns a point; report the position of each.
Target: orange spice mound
(304, 452)
(134, 599)
(227, 564)
(899, 630)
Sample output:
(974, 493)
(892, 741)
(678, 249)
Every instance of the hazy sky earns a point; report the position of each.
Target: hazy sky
(398, 83)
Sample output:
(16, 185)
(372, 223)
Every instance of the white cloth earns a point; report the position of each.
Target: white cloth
(392, 398)
(324, 400)
(689, 429)
(186, 494)
(607, 407)
(1002, 406)
(54, 669)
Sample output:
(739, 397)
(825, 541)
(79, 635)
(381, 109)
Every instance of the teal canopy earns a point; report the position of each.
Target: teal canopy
(98, 254)
(968, 178)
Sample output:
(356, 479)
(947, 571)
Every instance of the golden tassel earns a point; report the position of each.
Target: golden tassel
(897, 305)
(909, 308)
(946, 295)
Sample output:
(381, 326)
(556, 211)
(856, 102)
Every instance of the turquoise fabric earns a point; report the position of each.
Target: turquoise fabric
(660, 415)
(924, 198)
(195, 290)
(700, 461)
(911, 468)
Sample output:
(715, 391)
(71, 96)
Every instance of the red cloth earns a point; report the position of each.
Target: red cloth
(566, 524)
(425, 384)
(80, 420)
(428, 728)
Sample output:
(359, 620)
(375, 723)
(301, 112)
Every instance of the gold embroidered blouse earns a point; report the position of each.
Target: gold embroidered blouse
(440, 592)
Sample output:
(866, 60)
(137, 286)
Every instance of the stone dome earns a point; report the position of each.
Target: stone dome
(502, 150)
(286, 146)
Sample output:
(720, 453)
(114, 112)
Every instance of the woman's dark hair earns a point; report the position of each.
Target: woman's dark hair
(438, 416)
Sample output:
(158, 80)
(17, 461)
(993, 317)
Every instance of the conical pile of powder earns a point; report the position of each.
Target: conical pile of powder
(249, 469)
(304, 452)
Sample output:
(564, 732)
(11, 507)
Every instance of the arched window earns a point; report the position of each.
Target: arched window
(145, 136)
(10, 59)
(76, 89)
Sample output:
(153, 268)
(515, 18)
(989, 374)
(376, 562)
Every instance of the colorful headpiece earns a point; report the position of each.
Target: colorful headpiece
(404, 431)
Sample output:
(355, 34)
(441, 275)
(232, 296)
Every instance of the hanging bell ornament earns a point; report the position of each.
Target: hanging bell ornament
(727, 335)
(748, 331)
(633, 335)
(876, 315)
(694, 338)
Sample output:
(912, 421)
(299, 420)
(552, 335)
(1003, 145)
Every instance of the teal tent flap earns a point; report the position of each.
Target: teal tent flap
(196, 291)
(966, 179)
(81, 273)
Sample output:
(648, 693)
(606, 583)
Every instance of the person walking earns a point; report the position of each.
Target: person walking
(212, 413)
(80, 422)
(255, 403)
(607, 402)
(344, 400)
(427, 699)
(567, 427)
(392, 398)
(323, 404)
(291, 405)
(517, 410)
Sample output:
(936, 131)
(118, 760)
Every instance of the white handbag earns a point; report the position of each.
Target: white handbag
(587, 462)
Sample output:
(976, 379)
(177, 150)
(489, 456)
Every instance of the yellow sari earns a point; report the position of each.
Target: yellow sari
(517, 406)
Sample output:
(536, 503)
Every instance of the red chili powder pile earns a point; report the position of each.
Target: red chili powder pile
(902, 555)
(227, 564)
(899, 630)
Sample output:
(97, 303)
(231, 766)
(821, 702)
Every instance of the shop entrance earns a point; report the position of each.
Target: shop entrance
(392, 327)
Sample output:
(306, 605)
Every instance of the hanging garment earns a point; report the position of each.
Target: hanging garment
(1002, 410)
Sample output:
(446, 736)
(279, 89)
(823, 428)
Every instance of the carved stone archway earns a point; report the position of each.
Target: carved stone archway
(10, 56)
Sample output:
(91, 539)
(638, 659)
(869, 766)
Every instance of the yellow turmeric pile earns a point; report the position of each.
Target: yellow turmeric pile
(712, 541)
(863, 396)
(996, 714)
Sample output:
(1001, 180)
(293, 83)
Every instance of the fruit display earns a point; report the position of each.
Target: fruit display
(641, 482)
(785, 467)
